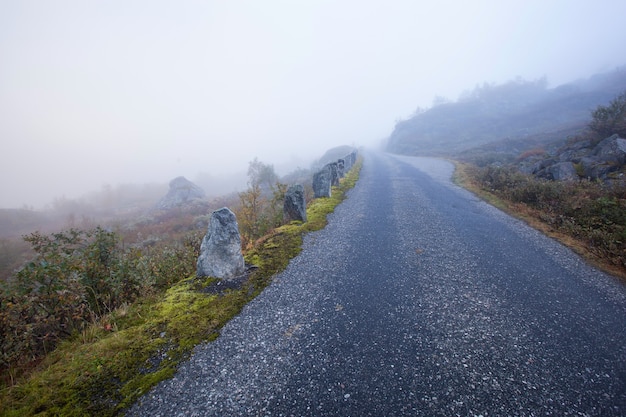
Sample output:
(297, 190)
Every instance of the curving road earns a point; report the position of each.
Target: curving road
(417, 299)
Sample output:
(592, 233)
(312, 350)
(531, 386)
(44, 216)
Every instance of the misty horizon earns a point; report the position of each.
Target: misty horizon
(106, 93)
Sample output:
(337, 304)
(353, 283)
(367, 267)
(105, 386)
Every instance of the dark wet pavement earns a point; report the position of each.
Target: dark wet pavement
(417, 299)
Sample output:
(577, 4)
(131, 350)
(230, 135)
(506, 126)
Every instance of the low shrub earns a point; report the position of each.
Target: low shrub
(592, 212)
(76, 278)
(115, 359)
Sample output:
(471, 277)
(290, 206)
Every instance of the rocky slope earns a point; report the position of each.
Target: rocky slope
(604, 161)
(517, 114)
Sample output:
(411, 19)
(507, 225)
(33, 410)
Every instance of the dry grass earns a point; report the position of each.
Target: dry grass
(543, 220)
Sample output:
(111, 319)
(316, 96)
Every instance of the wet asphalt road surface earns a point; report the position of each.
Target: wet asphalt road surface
(417, 299)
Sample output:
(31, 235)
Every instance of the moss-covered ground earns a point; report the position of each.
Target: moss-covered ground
(107, 367)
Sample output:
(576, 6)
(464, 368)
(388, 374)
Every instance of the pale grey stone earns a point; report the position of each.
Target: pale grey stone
(334, 174)
(294, 207)
(220, 252)
(341, 165)
(322, 181)
(563, 171)
(181, 192)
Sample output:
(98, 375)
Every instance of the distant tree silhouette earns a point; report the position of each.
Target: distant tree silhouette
(260, 207)
(610, 119)
(260, 174)
(439, 100)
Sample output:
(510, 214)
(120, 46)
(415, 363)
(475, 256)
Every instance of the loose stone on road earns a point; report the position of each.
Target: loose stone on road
(416, 299)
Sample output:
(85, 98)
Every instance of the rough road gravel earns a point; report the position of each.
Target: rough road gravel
(417, 299)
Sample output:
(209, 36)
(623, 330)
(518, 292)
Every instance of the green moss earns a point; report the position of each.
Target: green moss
(139, 386)
(102, 372)
(273, 253)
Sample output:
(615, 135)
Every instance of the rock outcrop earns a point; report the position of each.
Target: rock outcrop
(611, 150)
(604, 161)
(220, 251)
(562, 171)
(294, 207)
(332, 155)
(181, 192)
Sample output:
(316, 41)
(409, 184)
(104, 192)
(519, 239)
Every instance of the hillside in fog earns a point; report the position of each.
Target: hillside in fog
(518, 115)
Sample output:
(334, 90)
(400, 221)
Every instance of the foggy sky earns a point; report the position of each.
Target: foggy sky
(107, 92)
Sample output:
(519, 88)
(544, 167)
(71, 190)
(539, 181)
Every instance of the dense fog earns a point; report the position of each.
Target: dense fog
(101, 94)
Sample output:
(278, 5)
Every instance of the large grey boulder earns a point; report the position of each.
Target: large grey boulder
(220, 251)
(606, 158)
(611, 150)
(562, 171)
(540, 166)
(594, 167)
(602, 161)
(181, 192)
(294, 207)
(322, 181)
(575, 151)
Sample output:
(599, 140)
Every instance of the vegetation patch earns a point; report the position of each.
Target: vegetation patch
(587, 216)
(272, 253)
(105, 365)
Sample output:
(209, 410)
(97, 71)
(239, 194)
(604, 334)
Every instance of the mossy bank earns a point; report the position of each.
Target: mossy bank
(105, 368)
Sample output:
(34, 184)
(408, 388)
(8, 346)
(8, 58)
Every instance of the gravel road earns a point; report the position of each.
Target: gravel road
(417, 299)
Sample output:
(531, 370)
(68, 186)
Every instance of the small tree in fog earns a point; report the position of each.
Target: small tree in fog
(610, 119)
(248, 215)
(261, 204)
(440, 100)
(262, 175)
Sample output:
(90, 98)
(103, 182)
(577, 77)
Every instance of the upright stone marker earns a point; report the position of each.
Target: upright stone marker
(350, 160)
(220, 252)
(334, 174)
(322, 182)
(294, 207)
(341, 168)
